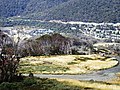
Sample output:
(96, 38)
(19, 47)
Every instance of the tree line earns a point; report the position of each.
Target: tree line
(54, 44)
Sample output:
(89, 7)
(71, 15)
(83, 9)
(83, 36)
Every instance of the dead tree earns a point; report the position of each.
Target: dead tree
(8, 61)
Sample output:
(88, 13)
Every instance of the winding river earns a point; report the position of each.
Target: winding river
(102, 75)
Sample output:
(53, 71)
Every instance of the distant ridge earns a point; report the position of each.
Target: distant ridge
(65, 10)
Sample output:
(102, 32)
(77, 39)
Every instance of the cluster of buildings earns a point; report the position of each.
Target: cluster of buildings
(25, 32)
(96, 30)
(101, 31)
(41, 32)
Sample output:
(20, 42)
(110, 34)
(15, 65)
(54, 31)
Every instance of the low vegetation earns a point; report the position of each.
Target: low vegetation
(57, 84)
(39, 84)
(92, 85)
(65, 64)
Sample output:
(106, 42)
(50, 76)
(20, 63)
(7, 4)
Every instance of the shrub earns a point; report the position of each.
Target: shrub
(29, 81)
(9, 86)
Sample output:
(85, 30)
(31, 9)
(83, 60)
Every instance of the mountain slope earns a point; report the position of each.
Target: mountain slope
(66, 10)
(83, 10)
(35, 6)
(10, 8)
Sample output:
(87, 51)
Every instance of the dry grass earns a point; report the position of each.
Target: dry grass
(67, 64)
(116, 80)
(91, 84)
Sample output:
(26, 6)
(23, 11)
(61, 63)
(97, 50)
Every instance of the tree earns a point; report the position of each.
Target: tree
(48, 45)
(9, 59)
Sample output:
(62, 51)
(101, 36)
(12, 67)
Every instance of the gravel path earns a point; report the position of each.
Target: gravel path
(102, 75)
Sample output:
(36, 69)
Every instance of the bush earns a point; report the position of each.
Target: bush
(9, 86)
(29, 81)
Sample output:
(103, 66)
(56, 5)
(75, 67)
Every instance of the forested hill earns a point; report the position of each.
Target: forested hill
(10, 8)
(66, 10)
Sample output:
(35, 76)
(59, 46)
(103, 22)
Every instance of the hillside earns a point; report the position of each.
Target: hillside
(37, 6)
(66, 10)
(83, 10)
(10, 8)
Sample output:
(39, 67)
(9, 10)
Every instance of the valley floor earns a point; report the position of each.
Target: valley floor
(66, 64)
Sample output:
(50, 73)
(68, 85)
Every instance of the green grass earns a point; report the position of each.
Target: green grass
(43, 68)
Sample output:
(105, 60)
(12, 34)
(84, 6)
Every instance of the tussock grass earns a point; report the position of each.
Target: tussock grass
(65, 64)
(94, 85)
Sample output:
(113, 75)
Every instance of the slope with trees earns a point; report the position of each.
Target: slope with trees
(66, 10)
(9, 8)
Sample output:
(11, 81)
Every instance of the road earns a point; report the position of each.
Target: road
(102, 75)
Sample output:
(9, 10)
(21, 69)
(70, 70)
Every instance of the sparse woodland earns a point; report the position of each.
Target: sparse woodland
(55, 44)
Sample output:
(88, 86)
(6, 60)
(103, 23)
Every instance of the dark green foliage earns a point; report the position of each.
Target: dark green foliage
(29, 81)
(42, 5)
(66, 10)
(8, 86)
(10, 8)
(82, 10)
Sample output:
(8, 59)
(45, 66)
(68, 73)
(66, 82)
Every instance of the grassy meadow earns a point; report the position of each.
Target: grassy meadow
(65, 64)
